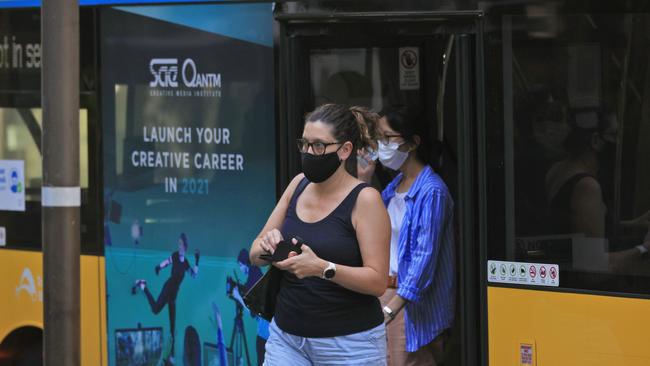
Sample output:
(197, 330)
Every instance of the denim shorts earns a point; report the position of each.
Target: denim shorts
(363, 348)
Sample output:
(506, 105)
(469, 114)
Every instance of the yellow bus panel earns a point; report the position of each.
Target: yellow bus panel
(566, 329)
(21, 299)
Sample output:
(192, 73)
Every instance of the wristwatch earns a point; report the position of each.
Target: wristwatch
(330, 271)
(389, 312)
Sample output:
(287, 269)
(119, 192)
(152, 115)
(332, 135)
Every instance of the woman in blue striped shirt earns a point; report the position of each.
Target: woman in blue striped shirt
(419, 302)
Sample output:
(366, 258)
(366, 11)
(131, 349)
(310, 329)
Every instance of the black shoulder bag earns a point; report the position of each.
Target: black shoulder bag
(261, 298)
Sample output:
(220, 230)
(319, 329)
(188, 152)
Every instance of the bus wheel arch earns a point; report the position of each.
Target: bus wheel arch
(22, 347)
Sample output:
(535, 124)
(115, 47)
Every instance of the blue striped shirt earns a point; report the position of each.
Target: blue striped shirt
(426, 274)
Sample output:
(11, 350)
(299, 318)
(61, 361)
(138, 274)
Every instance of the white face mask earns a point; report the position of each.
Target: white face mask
(390, 156)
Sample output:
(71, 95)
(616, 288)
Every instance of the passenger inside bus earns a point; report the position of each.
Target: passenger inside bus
(541, 129)
(578, 201)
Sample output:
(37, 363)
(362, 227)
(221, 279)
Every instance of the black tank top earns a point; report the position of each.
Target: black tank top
(178, 269)
(314, 307)
(560, 206)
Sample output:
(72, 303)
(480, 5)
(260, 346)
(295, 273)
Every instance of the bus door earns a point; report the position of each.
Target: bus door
(415, 59)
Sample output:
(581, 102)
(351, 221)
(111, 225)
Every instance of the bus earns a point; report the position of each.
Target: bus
(188, 116)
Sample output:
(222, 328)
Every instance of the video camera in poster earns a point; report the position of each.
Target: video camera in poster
(189, 179)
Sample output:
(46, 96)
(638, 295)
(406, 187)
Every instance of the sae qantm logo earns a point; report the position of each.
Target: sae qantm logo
(186, 80)
(164, 71)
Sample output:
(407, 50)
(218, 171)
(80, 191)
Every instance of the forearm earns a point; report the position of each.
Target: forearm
(364, 280)
(618, 261)
(396, 303)
(628, 223)
(255, 252)
(164, 263)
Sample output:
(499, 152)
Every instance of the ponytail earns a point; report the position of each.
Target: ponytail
(367, 122)
(355, 124)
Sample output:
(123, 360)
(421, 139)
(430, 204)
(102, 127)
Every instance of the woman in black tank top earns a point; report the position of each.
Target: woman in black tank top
(327, 308)
(574, 189)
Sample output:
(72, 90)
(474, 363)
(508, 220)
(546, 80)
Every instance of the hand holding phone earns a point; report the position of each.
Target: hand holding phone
(282, 250)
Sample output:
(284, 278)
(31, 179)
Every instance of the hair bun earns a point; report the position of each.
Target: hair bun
(367, 121)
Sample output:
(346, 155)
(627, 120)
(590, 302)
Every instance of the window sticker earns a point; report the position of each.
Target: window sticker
(532, 274)
(12, 185)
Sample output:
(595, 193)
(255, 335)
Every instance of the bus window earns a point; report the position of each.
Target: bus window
(566, 153)
(357, 76)
(20, 139)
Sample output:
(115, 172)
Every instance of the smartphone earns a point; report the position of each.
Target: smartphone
(282, 250)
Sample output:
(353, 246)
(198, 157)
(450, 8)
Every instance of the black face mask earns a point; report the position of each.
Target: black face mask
(318, 168)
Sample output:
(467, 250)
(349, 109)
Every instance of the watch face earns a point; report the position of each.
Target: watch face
(329, 273)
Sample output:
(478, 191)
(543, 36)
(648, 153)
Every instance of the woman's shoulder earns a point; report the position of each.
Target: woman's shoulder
(559, 177)
(588, 186)
(367, 193)
(368, 202)
(296, 180)
(432, 183)
(291, 187)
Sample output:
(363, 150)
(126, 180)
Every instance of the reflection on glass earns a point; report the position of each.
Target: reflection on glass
(351, 76)
(578, 94)
(20, 136)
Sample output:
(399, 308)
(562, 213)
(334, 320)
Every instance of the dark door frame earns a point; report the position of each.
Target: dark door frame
(298, 32)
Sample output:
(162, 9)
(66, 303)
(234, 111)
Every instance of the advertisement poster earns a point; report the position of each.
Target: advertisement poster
(12, 185)
(189, 172)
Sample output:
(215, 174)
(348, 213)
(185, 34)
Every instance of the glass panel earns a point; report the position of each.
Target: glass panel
(359, 76)
(347, 74)
(20, 139)
(566, 152)
(20, 130)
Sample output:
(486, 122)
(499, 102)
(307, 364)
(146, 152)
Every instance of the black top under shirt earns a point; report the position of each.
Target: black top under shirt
(178, 268)
(314, 307)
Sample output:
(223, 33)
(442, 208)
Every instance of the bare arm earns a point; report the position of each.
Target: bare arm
(589, 218)
(395, 304)
(270, 235)
(641, 222)
(372, 225)
(165, 263)
(588, 209)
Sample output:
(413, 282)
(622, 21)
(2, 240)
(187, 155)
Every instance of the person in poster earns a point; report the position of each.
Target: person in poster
(253, 273)
(180, 264)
